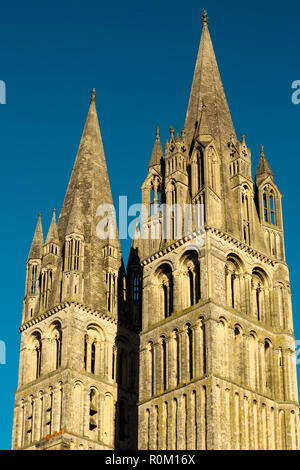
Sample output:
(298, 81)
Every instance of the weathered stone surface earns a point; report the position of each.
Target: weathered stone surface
(214, 364)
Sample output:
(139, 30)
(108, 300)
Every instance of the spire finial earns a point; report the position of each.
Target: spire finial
(93, 96)
(172, 130)
(204, 18)
(157, 134)
(262, 153)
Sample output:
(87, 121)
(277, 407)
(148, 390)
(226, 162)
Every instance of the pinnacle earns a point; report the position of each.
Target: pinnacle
(157, 152)
(263, 168)
(38, 240)
(53, 233)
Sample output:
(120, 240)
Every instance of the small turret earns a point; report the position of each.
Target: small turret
(263, 169)
(33, 270)
(157, 152)
(36, 248)
(52, 243)
(268, 202)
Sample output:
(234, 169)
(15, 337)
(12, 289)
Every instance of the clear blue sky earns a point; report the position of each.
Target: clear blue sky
(140, 57)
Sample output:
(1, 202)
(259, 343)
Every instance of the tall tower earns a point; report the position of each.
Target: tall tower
(78, 371)
(217, 367)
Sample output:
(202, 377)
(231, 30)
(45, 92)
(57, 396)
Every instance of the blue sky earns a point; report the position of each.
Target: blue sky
(140, 57)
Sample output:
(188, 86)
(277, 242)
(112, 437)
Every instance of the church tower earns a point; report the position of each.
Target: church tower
(217, 351)
(78, 370)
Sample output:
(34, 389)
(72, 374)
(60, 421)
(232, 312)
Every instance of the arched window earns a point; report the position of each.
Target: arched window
(268, 366)
(246, 215)
(269, 206)
(164, 363)
(259, 291)
(272, 209)
(234, 281)
(281, 374)
(93, 422)
(73, 253)
(152, 369)
(191, 285)
(190, 345)
(165, 284)
(36, 355)
(148, 429)
(152, 200)
(191, 279)
(57, 340)
(32, 278)
(92, 346)
(252, 360)
(46, 287)
(238, 354)
(177, 351)
(111, 291)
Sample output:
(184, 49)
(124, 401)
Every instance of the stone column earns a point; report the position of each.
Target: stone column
(89, 342)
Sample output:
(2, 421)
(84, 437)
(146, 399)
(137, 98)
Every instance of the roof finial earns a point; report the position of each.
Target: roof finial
(157, 134)
(93, 97)
(204, 18)
(172, 130)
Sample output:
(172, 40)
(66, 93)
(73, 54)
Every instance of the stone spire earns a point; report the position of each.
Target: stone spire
(89, 178)
(207, 88)
(157, 152)
(38, 241)
(52, 235)
(88, 189)
(263, 168)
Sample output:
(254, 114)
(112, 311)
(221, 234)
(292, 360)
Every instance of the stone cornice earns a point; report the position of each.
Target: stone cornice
(223, 235)
(48, 313)
(170, 247)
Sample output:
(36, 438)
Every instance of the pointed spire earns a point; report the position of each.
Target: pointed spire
(88, 193)
(89, 178)
(38, 241)
(157, 152)
(207, 87)
(52, 232)
(263, 168)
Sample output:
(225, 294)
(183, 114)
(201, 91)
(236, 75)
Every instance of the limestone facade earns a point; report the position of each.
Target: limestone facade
(193, 347)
